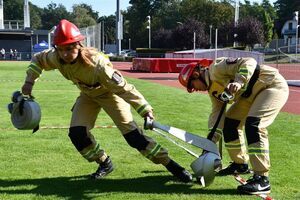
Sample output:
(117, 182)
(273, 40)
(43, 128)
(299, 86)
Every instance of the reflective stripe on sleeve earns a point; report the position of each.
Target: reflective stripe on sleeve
(243, 71)
(35, 68)
(142, 110)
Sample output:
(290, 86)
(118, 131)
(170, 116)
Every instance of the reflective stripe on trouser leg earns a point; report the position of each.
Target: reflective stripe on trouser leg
(258, 146)
(147, 147)
(263, 112)
(120, 113)
(234, 141)
(84, 114)
(86, 144)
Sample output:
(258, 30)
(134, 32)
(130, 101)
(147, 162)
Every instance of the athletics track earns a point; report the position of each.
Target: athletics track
(170, 79)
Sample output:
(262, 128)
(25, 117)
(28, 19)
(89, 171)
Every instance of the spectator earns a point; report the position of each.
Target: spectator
(11, 54)
(15, 54)
(2, 51)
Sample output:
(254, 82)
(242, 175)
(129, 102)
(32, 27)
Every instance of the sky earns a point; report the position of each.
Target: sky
(103, 7)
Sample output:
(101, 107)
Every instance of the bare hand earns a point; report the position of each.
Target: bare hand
(234, 87)
(149, 114)
(27, 88)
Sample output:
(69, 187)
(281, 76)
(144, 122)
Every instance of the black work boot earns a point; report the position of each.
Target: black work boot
(179, 172)
(104, 169)
(256, 185)
(234, 168)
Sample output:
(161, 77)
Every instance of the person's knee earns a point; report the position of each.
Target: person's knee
(79, 137)
(230, 130)
(136, 140)
(252, 130)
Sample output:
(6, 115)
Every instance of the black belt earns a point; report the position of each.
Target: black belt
(251, 83)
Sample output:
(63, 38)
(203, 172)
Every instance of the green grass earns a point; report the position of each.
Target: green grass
(45, 165)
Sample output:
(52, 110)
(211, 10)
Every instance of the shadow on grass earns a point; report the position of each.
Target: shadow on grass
(81, 187)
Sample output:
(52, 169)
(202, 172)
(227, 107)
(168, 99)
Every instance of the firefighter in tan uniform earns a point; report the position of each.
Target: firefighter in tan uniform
(102, 87)
(259, 92)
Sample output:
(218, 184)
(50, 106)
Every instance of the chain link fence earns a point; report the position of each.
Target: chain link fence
(286, 58)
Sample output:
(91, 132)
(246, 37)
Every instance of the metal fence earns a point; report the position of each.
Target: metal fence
(92, 36)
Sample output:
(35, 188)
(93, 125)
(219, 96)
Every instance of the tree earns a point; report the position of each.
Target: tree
(13, 10)
(59, 11)
(184, 35)
(268, 26)
(226, 34)
(264, 13)
(250, 31)
(35, 16)
(81, 17)
(90, 11)
(168, 15)
(209, 12)
(163, 39)
(109, 28)
(285, 9)
(137, 14)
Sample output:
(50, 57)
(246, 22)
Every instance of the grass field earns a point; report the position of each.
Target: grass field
(45, 165)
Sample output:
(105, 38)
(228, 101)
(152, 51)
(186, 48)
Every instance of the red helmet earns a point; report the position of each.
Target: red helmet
(66, 33)
(187, 71)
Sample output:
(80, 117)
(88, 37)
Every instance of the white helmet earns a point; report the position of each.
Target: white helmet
(25, 112)
(204, 167)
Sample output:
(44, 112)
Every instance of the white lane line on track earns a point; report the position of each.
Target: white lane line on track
(292, 90)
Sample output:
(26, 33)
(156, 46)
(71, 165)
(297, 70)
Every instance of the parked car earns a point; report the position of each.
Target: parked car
(128, 52)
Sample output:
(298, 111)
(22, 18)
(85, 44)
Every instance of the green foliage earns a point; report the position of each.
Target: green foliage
(165, 16)
(48, 21)
(109, 28)
(250, 32)
(183, 35)
(121, 58)
(46, 166)
(81, 17)
(152, 50)
(285, 9)
(13, 10)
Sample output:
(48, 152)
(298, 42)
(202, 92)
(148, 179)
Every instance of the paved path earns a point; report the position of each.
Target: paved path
(170, 79)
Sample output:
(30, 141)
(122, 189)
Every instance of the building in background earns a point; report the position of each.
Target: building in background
(17, 34)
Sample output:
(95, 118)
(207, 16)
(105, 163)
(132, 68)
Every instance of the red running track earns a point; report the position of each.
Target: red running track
(170, 79)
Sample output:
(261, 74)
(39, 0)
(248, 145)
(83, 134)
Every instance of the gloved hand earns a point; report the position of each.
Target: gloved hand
(27, 88)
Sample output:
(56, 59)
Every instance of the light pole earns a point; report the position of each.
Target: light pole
(103, 37)
(236, 20)
(210, 28)
(119, 28)
(216, 44)
(297, 20)
(149, 27)
(51, 31)
(129, 44)
(194, 44)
